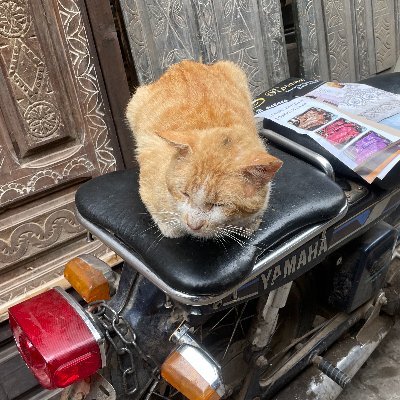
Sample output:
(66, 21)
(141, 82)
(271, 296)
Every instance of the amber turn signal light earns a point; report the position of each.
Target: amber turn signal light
(190, 370)
(86, 274)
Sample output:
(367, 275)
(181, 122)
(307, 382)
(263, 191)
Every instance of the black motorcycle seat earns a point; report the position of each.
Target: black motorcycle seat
(301, 196)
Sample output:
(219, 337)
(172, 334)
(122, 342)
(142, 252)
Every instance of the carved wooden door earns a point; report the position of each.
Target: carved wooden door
(55, 133)
(348, 40)
(248, 32)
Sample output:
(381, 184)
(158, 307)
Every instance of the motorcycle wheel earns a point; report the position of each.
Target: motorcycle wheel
(227, 336)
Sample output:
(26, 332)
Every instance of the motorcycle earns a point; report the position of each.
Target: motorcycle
(291, 312)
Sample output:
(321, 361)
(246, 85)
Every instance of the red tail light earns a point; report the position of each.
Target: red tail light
(56, 338)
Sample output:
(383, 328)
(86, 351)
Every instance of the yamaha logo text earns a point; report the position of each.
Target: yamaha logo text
(293, 263)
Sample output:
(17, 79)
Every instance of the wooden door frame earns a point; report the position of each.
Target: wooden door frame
(112, 83)
(106, 42)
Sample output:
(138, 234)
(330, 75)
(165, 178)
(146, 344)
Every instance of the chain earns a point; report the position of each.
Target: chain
(115, 324)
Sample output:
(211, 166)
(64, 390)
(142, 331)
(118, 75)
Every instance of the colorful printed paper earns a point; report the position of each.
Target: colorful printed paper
(368, 150)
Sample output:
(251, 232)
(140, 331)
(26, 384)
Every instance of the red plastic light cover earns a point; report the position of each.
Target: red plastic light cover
(56, 339)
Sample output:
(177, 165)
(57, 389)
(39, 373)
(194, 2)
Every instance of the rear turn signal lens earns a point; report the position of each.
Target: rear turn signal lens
(56, 339)
(85, 274)
(192, 372)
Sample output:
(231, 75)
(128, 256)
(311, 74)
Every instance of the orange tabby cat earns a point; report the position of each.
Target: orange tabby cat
(204, 170)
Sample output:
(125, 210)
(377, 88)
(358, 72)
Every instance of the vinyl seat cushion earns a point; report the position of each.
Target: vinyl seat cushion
(301, 196)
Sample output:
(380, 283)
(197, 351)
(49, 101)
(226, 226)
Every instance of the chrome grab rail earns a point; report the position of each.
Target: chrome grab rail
(199, 300)
(261, 265)
(311, 156)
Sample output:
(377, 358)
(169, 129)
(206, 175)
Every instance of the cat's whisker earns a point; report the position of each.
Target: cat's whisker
(169, 211)
(237, 233)
(233, 237)
(239, 239)
(241, 234)
(157, 241)
(166, 212)
(237, 230)
(219, 240)
(173, 219)
(223, 239)
(242, 228)
(261, 221)
(220, 235)
(172, 222)
(152, 226)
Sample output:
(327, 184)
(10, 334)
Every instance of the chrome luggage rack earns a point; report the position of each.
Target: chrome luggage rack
(261, 265)
(200, 300)
(303, 152)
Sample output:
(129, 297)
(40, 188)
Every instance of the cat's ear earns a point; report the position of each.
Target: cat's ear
(181, 141)
(261, 168)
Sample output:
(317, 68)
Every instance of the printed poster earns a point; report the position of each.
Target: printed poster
(367, 149)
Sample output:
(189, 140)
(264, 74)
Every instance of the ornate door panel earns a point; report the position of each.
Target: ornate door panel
(385, 34)
(55, 132)
(248, 32)
(347, 40)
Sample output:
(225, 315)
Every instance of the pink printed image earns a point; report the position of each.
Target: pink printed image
(340, 132)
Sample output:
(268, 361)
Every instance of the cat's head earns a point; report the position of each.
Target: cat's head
(219, 179)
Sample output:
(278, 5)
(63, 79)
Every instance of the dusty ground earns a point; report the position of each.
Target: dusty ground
(379, 379)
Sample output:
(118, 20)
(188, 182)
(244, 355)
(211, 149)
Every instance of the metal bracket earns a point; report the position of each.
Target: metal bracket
(364, 336)
(269, 317)
(95, 387)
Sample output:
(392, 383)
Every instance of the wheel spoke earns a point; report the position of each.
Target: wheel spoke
(218, 322)
(234, 330)
(160, 395)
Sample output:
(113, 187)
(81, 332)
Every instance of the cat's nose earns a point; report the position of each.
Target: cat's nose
(195, 226)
